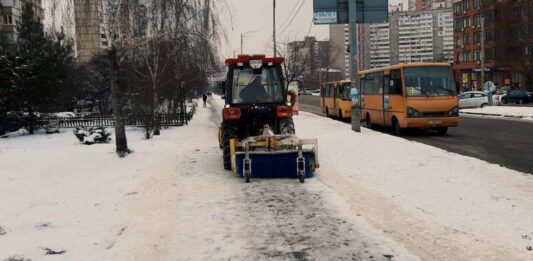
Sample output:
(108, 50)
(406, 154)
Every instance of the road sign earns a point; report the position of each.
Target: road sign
(367, 11)
(325, 17)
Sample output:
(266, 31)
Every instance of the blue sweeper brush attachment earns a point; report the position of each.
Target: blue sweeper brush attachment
(274, 156)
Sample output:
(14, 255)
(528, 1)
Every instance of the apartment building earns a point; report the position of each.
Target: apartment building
(475, 48)
(10, 13)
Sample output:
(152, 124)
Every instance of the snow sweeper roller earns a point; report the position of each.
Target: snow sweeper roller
(274, 156)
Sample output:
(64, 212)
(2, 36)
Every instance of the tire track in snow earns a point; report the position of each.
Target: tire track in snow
(222, 218)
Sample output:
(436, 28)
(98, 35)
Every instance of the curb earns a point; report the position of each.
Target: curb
(497, 115)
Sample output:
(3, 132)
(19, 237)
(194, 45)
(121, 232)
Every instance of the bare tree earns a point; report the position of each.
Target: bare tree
(297, 61)
(513, 35)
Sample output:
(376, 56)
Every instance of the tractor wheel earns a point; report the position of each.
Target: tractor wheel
(229, 131)
(286, 126)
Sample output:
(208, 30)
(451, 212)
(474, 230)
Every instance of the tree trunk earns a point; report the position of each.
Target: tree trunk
(157, 123)
(120, 131)
(31, 121)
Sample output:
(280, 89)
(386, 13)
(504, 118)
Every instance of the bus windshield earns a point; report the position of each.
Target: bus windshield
(345, 91)
(257, 86)
(428, 81)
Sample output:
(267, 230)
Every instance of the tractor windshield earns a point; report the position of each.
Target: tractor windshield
(257, 86)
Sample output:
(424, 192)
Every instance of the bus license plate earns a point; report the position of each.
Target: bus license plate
(434, 122)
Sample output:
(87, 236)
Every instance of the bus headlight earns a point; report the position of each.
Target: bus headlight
(454, 112)
(412, 113)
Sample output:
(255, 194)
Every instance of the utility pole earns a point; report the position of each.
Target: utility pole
(354, 68)
(354, 63)
(241, 44)
(274, 27)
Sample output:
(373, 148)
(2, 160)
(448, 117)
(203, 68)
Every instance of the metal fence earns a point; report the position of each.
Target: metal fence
(165, 119)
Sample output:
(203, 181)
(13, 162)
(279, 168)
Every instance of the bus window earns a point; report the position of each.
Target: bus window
(369, 83)
(396, 79)
(429, 81)
(378, 83)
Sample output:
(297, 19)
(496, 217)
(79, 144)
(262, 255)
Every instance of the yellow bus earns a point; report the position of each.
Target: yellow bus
(416, 95)
(335, 99)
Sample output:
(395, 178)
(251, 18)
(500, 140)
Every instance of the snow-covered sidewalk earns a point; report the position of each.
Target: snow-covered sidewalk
(170, 200)
(440, 205)
(502, 111)
(375, 197)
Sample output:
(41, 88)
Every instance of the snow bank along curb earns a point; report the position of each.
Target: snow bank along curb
(502, 111)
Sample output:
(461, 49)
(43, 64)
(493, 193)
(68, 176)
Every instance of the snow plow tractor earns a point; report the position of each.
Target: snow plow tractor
(257, 133)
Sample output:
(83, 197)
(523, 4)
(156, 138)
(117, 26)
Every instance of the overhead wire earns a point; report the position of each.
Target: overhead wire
(293, 18)
(290, 13)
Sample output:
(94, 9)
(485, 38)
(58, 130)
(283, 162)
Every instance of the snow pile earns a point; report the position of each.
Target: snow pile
(505, 111)
(66, 114)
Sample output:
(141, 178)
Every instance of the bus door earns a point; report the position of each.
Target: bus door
(386, 99)
(335, 97)
(322, 95)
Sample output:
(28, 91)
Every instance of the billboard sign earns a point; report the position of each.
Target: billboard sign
(367, 11)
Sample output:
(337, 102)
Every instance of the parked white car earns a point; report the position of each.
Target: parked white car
(475, 100)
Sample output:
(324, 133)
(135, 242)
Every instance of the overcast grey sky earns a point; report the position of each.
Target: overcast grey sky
(293, 19)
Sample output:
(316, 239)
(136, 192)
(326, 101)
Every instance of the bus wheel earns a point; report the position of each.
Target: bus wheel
(441, 131)
(396, 128)
(368, 121)
(327, 112)
(340, 116)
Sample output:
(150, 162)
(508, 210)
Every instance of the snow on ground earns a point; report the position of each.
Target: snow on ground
(170, 200)
(376, 197)
(441, 205)
(66, 114)
(505, 111)
(59, 194)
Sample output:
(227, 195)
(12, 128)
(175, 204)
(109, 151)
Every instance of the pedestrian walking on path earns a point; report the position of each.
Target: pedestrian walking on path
(205, 99)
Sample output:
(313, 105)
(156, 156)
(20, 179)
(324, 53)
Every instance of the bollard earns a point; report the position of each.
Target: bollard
(356, 119)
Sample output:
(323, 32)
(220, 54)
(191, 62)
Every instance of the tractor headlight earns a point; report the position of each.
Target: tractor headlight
(412, 113)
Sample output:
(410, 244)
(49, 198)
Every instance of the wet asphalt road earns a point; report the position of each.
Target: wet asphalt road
(506, 142)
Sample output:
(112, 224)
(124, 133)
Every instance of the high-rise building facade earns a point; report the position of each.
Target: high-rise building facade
(312, 56)
(425, 5)
(337, 47)
(90, 32)
(378, 45)
(10, 13)
(420, 36)
(487, 38)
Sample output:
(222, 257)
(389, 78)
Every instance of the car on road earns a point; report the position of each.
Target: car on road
(517, 96)
(304, 92)
(474, 99)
